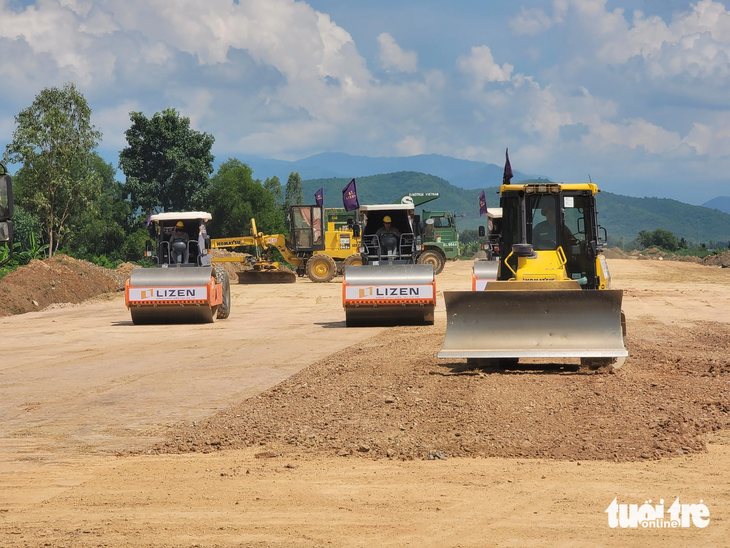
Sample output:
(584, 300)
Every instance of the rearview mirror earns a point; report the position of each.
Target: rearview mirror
(6, 231)
(482, 232)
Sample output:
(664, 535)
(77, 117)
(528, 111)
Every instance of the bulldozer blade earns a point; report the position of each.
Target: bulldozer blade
(533, 324)
(266, 277)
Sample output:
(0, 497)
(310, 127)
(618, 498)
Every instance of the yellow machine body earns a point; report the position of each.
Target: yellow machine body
(551, 297)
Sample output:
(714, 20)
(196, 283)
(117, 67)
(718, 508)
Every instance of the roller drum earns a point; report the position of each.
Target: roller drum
(173, 312)
(390, 309)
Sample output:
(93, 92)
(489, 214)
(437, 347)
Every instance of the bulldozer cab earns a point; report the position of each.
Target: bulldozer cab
(556, 216)
(306, 228)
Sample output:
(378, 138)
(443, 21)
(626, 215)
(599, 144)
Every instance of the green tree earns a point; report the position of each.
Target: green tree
(293, 193)
(235, 198)
(659, 238)
(103, 228)
(167, 164)
(273, 185)
(53, 141)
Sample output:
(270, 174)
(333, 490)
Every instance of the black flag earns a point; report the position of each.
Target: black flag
(507, 169)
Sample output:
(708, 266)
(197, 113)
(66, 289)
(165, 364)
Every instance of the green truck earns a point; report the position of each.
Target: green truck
(440, 237)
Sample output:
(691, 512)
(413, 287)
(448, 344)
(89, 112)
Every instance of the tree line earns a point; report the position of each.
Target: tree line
(68, 200)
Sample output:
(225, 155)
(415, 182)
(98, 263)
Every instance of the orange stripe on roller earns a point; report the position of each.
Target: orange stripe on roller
(168, 303)
(370, 302)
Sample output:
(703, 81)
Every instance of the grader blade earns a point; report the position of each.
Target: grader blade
(382, 295)
(533, 324)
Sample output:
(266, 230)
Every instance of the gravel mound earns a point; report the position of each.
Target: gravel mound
(391, 397)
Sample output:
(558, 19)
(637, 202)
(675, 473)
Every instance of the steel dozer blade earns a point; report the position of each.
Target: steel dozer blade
(173, 295)
(254, 276)
(383, 295)
(533, 324)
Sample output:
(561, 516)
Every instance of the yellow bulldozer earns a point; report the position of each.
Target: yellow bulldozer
(321, 244)
(552, 295)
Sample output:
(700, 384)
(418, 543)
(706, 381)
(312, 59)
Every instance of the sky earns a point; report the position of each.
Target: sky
(632, 93)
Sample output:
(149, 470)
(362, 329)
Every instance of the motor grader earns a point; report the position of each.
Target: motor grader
(552, 295)
(321, 244)
(183, 287)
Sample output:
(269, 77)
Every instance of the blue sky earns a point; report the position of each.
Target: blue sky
(633, 93)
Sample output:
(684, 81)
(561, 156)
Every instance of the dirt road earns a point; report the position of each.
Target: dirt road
(81, 385)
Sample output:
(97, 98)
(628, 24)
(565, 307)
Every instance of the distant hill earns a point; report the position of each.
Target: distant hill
(721, 202)
(461, 173)
(622, 216)
(625, 216)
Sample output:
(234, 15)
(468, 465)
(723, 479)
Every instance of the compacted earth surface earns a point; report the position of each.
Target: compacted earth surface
(282, 427)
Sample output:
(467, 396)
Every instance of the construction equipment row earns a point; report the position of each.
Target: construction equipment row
(546, 293)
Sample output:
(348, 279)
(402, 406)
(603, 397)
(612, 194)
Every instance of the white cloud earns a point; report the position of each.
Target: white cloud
(410, 145)
(393, 58)
(278, 78)
(711, 140)
(533, 21)
(113, 122)
(480, 65)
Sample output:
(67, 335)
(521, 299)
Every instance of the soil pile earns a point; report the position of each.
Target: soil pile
(391, 397)
(61, 279)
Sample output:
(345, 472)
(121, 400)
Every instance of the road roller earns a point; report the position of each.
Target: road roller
(183, 287)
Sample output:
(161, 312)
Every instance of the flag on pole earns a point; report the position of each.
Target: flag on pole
(507, 169)
(349, 197)
(148, 221)
(319, 196)
(482, 204)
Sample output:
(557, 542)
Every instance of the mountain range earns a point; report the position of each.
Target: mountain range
(465, 174)
(622, 216)
(721, 202)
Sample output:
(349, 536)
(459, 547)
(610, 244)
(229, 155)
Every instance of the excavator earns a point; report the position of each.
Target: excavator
(550, 295)
(321, 243)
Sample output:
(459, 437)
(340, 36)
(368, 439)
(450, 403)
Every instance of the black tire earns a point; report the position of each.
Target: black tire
(354, 259)
(224, 309)
(321, 268)
(434, 258)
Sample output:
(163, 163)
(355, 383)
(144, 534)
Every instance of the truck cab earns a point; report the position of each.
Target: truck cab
(440, 239)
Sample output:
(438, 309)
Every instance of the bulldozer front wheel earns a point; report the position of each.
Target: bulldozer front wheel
(434, 258)
(321, 268)
(224, 309)
(354, 259)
